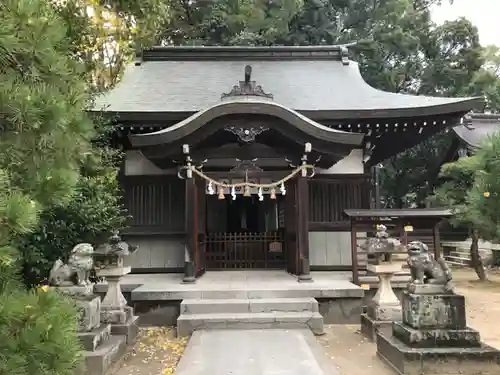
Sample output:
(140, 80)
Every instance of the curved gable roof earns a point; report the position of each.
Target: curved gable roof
(248, 106)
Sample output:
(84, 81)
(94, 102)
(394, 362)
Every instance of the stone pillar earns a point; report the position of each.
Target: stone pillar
(302, 202)
(114, 309)
(385, 306)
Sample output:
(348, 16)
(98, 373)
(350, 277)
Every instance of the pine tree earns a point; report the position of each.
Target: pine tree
(45, 132)
(472, 190)
(44, 139)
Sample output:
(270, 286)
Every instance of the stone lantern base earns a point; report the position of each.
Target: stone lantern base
(114, 309)
(385, 306)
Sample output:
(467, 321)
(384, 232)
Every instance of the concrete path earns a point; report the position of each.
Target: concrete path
(254, 352)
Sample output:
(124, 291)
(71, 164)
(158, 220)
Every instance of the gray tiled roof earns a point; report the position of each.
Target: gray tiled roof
(307, 84)
(479, 127)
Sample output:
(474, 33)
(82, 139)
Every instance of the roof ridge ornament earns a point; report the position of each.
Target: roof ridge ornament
(247, 87)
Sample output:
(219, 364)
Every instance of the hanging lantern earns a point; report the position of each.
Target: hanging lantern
(246, 192)
(273, 193)
(221, 193)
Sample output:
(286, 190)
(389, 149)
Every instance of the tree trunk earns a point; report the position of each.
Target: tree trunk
(476, 261)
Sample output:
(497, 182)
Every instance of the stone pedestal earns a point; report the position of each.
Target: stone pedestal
(433, 338)
(89, 313)
(114, 309)
(189, 273)
(385, 306)
(101, 349)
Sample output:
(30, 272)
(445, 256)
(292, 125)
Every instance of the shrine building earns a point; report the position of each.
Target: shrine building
(247, 157)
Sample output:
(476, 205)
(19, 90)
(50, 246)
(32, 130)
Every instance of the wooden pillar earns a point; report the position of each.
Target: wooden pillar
(437, 241)
(354, 252)
(200, 260)
(191, 248)
(302, 205)
(292, 253)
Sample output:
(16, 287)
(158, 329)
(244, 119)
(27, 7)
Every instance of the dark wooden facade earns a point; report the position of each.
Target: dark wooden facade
(155, 204)
(160, 205)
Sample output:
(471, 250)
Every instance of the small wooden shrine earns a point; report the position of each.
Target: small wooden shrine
(247, 157)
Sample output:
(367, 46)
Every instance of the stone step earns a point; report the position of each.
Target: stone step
(187, 324)
(220, 306)
(101, 360)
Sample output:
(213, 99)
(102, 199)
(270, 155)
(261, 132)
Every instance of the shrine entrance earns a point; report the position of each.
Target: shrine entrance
(245, 233)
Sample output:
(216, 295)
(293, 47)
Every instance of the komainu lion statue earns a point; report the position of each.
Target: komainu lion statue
(77, 271)
(424, 268)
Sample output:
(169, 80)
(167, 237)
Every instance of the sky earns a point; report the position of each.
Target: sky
(484, 14)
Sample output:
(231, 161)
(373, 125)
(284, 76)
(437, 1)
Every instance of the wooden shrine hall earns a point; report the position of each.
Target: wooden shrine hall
(247, 157)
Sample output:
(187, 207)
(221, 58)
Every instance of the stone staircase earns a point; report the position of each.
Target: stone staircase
(258, 313)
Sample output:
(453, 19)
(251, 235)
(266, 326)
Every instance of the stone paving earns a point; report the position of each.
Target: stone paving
(263, 352)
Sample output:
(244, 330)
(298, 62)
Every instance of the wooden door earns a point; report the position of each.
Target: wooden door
(291, 243)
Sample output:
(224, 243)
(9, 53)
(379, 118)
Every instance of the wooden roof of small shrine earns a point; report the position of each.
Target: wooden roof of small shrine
(476, 127)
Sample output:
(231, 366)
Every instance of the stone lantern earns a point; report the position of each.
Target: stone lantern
(101, 350)
(109, 260)
(385, 306)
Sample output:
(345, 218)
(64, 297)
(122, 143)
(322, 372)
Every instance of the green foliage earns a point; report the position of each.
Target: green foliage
(104, 36)
(45, 139)
(18, 215)
(60, 183)
(407, 179)
(486, 81)
(228, 22)
(94, 212)
(45, 131)
(38, 334)
(472, 190)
